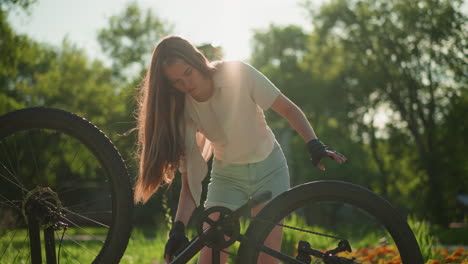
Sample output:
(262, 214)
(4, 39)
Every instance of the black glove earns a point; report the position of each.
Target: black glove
(177, 239)
(318, 151)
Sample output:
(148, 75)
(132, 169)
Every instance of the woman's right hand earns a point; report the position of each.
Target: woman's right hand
(318, 151)
(177, 241)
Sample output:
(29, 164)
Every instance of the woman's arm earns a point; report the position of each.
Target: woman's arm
(186, 203)
(177, 236)
(291, 112)
(297, 119)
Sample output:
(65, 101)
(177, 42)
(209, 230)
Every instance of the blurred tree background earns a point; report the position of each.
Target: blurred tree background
(384, 82)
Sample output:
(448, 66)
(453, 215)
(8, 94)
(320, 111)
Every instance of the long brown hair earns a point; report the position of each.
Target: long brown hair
(160, 114)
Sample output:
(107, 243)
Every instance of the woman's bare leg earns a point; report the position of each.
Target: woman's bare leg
(205, 254)
(272, 241)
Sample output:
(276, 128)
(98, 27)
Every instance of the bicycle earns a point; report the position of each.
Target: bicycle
(93, 189)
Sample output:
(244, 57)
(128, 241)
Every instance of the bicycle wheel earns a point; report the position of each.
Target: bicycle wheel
(62, 177)
(375, 230)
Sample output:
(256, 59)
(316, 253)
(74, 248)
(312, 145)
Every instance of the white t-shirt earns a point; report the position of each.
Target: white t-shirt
(231, 123)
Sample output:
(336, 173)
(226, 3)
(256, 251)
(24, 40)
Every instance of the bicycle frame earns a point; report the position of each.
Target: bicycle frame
(196, 244)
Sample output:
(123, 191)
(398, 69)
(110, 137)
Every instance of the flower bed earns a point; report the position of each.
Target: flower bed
(389, 255)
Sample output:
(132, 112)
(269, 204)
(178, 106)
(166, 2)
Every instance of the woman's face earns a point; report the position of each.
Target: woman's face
(187, 79)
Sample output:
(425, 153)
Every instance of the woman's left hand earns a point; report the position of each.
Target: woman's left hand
(318, 151)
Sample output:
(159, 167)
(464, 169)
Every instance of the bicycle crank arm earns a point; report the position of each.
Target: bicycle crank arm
(189, 252)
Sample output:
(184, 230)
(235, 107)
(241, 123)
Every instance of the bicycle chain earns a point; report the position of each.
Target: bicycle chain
(284, 226)
(296, 228)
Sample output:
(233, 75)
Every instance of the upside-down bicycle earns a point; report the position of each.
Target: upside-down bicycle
(84, 200)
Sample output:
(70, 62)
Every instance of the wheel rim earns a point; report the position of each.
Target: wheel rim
(357, 205)
(48, 158)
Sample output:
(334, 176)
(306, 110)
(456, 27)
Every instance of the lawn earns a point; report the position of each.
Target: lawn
(146, 245)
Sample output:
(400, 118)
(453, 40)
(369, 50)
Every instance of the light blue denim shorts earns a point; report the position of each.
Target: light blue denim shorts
(232, 185)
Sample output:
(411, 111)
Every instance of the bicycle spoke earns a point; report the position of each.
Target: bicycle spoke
(9, 243)
(24, 189)
(85, 203)
(55, 154)
(71, 255)
(11, 164)
(21, 249)
(86, 218)
(14, 183)
(6, 153)
(84, 230)
(83, 247)
(33, 154)
(18, 163)
(9, 203)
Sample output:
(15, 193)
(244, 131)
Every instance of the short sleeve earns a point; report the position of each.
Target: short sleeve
(262, 90)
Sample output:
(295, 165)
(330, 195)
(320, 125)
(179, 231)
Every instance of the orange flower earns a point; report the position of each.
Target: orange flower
(363, 251)
(369, 258)
(458, 252)
(450, 259)
(444, 252)
(380, 252)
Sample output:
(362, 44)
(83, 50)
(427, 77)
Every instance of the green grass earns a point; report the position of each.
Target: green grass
(15, 246)
(426, 240)
(146, 245)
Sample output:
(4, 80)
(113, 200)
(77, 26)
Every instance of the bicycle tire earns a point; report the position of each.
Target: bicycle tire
(107, 156)
(338, 191)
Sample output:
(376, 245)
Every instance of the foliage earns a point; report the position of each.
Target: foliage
(130, 38)
(378, 80)
(11, 4)
(407, 59)
(427, 242)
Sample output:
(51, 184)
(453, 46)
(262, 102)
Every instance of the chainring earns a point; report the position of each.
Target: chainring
(216, 228)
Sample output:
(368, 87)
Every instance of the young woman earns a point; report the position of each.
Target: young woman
(190, 108)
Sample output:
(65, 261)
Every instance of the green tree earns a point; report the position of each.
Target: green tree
(211, 52)
(129, 39)
(75, 83)
(283, 54)
(12, 4)
(407, 58)
(20, 59)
